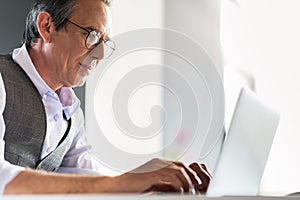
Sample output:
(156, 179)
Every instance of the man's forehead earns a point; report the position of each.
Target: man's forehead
(92, 13)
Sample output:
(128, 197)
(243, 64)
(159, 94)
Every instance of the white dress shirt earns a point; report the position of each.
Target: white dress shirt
(79, 158)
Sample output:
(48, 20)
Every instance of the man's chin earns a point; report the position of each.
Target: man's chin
(79, 82)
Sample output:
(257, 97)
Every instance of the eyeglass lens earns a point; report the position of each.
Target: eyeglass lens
(93, 40)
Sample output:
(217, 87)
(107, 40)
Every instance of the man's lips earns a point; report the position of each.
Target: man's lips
(87, 67)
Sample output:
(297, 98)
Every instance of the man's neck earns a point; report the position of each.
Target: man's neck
(43, 66)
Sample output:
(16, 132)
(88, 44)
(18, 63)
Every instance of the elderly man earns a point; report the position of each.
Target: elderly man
(41, 123)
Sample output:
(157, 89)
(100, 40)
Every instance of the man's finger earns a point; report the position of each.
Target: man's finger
(203, 175)
(190, 173)
(205, 168)
(163, 187)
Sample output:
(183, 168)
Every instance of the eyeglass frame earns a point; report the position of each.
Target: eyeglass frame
(89, 32)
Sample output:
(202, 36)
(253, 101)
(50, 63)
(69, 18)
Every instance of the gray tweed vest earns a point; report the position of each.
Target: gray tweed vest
(25, 120)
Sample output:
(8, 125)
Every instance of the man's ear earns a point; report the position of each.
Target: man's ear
(45, 26)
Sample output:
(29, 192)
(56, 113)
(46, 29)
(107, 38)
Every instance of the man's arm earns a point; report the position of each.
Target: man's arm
(38, 182)
(155, 175)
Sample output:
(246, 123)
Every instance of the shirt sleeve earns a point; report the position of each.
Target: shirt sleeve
(80, 158)
(7, 171)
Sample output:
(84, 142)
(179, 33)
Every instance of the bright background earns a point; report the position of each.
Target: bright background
(251, 40)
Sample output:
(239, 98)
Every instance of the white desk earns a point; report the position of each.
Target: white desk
(131, 197)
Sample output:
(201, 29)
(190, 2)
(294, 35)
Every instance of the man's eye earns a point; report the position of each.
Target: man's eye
(84, 33)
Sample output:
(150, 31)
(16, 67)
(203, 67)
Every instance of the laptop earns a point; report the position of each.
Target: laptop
(246, 148)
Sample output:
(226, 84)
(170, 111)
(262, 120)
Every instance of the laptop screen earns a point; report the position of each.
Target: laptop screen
(246, 148)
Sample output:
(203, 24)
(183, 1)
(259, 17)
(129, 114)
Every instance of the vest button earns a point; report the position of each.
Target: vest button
(56, 117)
(49, 149)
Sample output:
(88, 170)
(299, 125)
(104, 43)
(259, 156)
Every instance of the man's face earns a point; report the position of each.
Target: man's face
(72, 60)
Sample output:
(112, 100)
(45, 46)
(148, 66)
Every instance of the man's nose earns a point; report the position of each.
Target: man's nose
(98, 52)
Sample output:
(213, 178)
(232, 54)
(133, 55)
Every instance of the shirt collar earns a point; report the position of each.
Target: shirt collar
(70, 102)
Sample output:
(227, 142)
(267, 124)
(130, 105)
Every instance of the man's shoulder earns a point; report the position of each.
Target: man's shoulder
(10, 70)
(6, 59)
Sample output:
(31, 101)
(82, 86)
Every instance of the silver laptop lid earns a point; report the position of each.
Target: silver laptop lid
(246, 148)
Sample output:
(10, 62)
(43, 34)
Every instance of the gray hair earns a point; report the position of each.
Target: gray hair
(60, 11)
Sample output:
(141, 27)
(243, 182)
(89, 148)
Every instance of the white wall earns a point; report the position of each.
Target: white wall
(127, 15)
(199, 20)
(262, 38)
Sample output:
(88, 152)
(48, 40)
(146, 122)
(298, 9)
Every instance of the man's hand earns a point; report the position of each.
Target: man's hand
(165, 176)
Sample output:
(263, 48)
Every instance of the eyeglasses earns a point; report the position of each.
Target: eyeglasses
(93, 39)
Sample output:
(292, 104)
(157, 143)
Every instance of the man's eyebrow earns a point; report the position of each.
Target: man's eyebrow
(92, 28)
